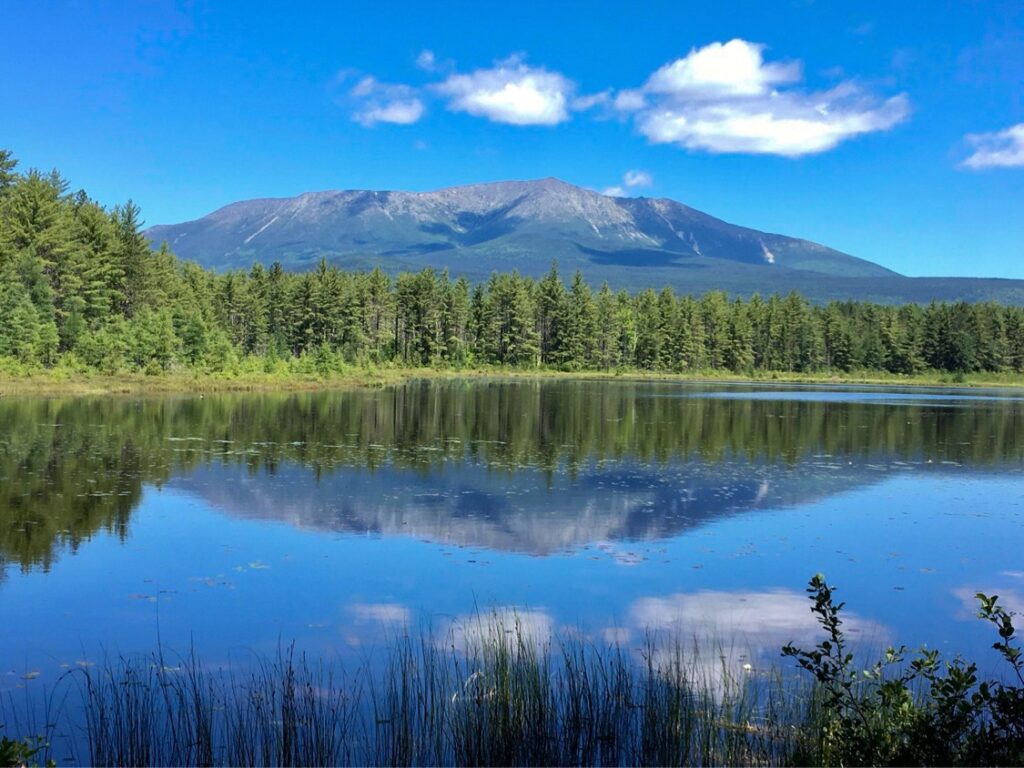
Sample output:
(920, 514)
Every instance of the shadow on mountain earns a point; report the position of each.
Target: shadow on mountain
(641, 257)
(471, 228)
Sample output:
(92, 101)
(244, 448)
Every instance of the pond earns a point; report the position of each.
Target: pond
(613, 509)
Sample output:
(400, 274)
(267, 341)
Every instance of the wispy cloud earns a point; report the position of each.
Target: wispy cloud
(637, 179)
(510, 92)
(999, 149)
(426, 61)
(726, 98)
(632, 179)
(385, 103)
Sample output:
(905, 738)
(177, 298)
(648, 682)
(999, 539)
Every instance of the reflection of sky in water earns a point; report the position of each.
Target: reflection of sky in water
(236, 559)
(880, 397)
(906, 562)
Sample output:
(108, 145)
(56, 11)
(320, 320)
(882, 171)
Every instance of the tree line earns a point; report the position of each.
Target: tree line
(81, 285)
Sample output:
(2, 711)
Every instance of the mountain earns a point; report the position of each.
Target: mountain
(475, 230)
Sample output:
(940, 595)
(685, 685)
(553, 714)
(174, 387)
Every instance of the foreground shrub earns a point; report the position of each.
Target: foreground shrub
(925, 712)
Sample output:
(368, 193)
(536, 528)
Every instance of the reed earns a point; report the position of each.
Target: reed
(497, 696)
(498, 692)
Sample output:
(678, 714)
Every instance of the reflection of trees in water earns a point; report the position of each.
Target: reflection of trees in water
(69, 468)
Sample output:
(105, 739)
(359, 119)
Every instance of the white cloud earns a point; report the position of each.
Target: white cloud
(735, 68)
(615, 191)
(630, 100)
(385, 103)
(426, 61)
(999, 149)
(723, 98)
(511, 92)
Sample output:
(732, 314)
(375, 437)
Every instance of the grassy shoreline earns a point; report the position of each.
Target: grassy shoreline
(60, 382)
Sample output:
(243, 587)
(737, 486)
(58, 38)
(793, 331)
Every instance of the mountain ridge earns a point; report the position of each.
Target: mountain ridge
(476, 229)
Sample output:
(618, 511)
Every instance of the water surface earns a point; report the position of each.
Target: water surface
(614, 509)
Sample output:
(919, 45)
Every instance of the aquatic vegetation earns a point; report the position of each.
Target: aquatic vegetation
(508, 696)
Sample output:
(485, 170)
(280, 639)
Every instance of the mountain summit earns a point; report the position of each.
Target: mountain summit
(476, 229)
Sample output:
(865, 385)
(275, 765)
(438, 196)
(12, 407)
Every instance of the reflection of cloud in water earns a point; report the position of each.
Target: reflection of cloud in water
(384, 613)
(617, 635)
(1011, 599)
(772, 617)
(502, 624)
(715, 636)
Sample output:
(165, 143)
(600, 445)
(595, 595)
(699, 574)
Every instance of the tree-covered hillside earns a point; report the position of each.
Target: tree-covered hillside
(81, 285)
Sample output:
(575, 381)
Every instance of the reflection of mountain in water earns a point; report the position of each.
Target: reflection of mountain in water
(472, 506)
(527, 465)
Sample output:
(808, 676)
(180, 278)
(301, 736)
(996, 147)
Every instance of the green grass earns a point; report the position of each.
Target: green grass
(250, 376)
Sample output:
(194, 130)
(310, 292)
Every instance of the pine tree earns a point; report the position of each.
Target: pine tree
(579, 343)
(378, 311)
(607, 330)
(551, 318)
(8, 175)
(714, 309)
(649, 330)
(739, 352)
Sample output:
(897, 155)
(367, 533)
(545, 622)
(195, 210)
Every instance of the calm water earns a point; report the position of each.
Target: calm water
(613, 509)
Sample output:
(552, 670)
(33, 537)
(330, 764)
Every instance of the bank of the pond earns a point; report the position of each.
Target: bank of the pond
(64, 382)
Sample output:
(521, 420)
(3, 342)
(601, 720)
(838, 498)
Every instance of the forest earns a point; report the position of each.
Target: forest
(82, 287)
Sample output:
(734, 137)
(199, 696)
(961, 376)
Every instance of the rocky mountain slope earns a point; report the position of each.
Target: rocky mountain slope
(474, 230)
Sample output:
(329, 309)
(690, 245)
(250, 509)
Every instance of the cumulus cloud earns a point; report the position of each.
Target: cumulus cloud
(724, 98)
(511, 92)
(999, 149)
(385, 103)
(735, 68)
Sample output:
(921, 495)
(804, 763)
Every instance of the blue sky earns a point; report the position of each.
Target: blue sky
(893, 131)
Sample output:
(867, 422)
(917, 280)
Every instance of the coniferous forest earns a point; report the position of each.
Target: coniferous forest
(81, 286)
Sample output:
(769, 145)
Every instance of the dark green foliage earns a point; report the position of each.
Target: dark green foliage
(925, 712)
(78, 279)
(16, 753)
